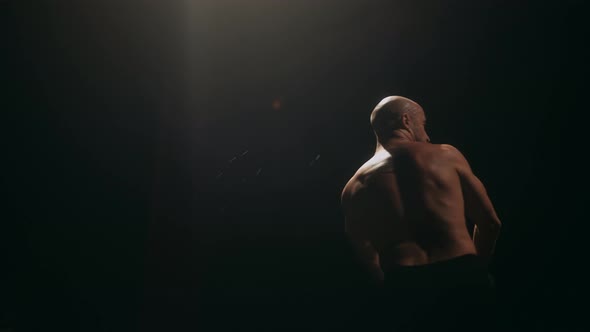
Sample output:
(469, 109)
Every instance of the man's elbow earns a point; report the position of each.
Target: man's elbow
(494, 225)
(491, 225)
(497, 225)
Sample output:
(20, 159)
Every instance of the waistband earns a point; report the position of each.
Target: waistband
(462, 269)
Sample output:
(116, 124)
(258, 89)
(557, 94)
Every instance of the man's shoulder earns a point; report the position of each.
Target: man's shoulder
(357, 185)
(437, 156)
(438, 150)
(450, 153)
(349, 189)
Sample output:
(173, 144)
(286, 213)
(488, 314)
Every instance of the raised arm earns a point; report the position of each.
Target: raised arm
(478, 206)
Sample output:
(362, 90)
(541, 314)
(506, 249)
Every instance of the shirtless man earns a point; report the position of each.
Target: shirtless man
(406, 208)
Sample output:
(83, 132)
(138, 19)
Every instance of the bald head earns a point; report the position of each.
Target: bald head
(398, 114)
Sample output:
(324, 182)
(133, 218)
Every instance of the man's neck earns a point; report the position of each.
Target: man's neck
(398, 136)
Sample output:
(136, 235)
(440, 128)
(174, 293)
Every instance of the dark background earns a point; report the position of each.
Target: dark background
(178, 165)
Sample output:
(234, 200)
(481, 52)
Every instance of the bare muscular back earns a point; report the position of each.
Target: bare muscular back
(406, 203)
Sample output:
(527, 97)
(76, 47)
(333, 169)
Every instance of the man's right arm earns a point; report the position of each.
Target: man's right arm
(478, 206)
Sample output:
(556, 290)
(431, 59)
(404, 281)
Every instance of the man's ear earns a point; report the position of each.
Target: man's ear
(406, 120)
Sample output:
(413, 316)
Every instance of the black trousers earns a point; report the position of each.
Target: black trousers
(452, 295)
